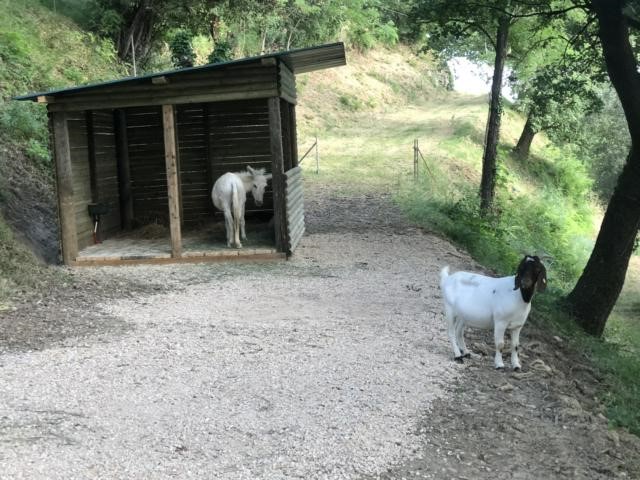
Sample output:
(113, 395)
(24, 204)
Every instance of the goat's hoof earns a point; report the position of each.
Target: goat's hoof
(467, 355)
(459, 359)
(516, 369)
(500, 368)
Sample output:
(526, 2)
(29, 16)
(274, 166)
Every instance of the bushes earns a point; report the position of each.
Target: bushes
(544, 209)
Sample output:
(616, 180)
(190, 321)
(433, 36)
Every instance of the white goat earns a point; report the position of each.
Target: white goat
(484, 302)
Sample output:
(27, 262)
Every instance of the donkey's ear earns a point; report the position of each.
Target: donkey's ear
(268, 176)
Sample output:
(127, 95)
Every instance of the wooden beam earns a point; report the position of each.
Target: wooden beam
(124, 169)
(173, 182)
(45, 99)
(162, 80)
(64, 176)
(278, 180)
(151, 99)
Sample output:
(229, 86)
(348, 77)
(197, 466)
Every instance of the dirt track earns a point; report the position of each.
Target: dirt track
(332, 365)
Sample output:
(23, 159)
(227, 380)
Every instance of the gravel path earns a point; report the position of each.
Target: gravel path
(319, 367)
(333, 365)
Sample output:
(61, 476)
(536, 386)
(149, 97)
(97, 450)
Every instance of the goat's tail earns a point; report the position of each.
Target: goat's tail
(444, 274)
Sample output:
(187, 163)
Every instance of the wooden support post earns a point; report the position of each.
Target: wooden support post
(124, 169)
(278, 181)
(64, 175)
(173, 182)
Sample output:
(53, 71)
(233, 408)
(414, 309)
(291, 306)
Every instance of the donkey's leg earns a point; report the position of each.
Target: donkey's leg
(243, 234)
(228, 225)
(236, 232)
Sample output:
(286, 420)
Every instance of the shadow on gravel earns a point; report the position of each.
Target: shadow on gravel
(543, 422)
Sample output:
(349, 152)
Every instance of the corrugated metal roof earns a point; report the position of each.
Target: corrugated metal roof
(300, 60)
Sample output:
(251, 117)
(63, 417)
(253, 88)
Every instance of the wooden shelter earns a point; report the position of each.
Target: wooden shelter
(146, 151)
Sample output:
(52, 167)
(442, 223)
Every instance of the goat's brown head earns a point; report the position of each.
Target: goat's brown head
(530, 277)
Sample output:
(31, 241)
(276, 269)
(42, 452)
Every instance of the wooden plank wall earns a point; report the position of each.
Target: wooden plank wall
(239, 136)
(247, 81)
(79, 151)
(295, 208)
(148, 170)
(106, 171)
(286, 83)
(194, 171)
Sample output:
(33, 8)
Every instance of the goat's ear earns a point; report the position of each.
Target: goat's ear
(268, 176)
(519, 273)
(541, 283)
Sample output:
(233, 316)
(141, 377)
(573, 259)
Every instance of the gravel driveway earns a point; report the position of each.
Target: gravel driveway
(319, 367)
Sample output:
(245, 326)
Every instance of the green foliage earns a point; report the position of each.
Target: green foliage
(605, 154)
(222, 52)
(182, 54)
(351, 102)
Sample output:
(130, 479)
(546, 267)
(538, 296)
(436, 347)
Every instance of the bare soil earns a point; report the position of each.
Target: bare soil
(334, 364)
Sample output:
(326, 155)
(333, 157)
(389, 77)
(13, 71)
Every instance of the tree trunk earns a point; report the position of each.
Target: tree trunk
(488, 182)
(523, 146)
(139, 26)
(597, 290)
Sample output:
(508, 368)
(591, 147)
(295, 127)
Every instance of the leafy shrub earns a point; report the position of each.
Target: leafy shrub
(222, 52)
(351, 102)
(182, 54)
(24, 121)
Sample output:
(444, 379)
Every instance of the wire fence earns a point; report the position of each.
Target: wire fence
(417, 155)
(314, 146)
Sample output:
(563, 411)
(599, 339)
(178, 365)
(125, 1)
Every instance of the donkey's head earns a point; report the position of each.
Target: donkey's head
(258, 183)
(531, 277)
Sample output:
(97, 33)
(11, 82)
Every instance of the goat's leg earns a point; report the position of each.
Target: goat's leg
(498, 334)
(228, 226)
(464, 351)
(451, 323)
(515, 344)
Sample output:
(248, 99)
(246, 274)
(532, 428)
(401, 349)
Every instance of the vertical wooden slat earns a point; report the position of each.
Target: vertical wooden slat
(206, 124)
(124, 169)
(91, 148)
(173, 190)
(286, 134)
(64, 175)
(278, 181)
(294, 135)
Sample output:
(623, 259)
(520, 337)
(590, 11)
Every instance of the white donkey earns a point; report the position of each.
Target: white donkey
(229, 194)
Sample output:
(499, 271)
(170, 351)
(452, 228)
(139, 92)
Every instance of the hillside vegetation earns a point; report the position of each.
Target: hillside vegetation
(39, 50)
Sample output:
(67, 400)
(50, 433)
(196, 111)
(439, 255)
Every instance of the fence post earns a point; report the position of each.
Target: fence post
(317, 157)
(415, 159)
